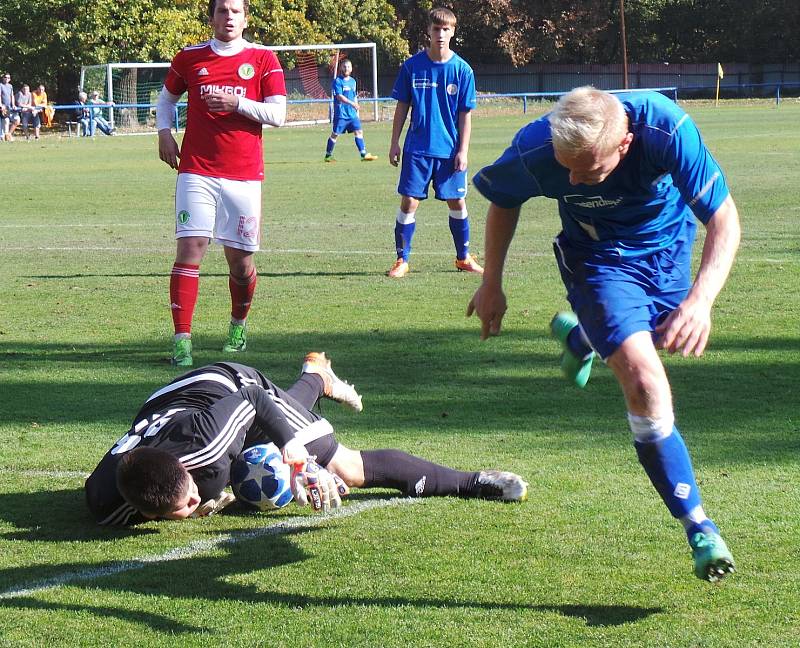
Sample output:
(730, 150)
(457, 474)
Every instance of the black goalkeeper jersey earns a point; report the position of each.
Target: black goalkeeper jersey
(205, 418)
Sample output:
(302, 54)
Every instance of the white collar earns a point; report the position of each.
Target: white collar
(228, 48)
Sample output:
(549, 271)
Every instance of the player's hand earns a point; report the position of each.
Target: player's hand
(394, 154)
(168, 150)
(315, 485)
(686, 329)
(294, 452)
(460, 161)
(214, 505)
(221, 102)
(489, 304)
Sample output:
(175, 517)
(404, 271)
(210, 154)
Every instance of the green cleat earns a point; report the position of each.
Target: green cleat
(329, 158)
(237, 340)
(712, 558)
(576, 369)
(182, 353)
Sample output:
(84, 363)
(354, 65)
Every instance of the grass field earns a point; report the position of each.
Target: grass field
(592, 559)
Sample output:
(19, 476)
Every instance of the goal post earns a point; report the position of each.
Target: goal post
(309, 71)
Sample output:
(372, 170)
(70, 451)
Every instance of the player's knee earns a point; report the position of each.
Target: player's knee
(348, 465)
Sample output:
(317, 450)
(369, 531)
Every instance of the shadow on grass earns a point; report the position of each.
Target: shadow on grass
(213, 579)
(57, 516)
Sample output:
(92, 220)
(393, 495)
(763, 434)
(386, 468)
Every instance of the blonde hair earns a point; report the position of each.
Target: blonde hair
(588, 119)
(441, 16)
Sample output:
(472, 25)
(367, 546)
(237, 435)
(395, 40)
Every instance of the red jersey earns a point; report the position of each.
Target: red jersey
(223, 145)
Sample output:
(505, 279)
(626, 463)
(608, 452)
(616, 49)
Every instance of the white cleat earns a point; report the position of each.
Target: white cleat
(502, 485)
(338, 390)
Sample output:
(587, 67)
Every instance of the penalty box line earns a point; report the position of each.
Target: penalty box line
(201, 546)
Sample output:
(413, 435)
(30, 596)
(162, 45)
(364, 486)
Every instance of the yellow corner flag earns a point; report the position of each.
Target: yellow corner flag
(720, 73)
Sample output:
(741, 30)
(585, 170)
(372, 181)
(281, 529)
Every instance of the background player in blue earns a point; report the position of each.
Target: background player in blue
(439, 87)
(630, 174)
(345, 113)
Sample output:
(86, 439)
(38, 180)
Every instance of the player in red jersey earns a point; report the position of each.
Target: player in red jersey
(233, 87)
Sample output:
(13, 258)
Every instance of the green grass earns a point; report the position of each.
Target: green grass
(592, 559)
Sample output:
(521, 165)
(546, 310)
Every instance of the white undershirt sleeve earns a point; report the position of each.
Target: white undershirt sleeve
(271, 111)
(165, 109)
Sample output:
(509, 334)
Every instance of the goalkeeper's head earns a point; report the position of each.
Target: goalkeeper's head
(157, 484)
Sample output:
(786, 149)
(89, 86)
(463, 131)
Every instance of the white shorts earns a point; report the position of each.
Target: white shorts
(228, 211)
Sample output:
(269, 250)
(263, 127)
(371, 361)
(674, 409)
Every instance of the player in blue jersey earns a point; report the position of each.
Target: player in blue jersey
(439, 88)
(345, 113)
(630, 173)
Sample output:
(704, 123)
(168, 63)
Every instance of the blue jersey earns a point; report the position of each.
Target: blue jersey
(437, 92)
(643, 206)
(347, 88)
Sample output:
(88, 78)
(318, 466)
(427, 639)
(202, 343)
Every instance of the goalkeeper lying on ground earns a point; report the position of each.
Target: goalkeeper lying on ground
(175, 460)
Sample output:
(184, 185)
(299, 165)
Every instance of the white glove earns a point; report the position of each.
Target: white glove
(312, 483)
(294, 452)
(214, 505)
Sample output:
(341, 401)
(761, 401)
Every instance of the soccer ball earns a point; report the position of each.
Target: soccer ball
(260, 479)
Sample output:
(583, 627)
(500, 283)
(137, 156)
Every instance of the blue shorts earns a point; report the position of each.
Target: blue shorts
(615, 298)
(344, 125)
(418, 171)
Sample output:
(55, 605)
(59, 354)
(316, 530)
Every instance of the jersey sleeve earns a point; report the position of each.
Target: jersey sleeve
(337, 87)
(695, 172)
(402, 85)
(507, 182)
(176, 76)
(273, 82)
(466, 98)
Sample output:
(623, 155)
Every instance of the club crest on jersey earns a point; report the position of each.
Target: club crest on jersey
(451, 89)
(246, 71)
(183, 216)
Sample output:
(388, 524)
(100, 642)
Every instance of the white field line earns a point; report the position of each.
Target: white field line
(200, 547)
(57, 474)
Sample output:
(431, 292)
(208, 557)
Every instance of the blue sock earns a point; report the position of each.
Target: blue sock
(329, 147)
(362, 148)
(577, 343)
(666, 462)
(459, 228)
(403, 233)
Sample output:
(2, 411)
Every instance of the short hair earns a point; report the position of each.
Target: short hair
(441, 16)
(212, 6)
(152, 480)
(588, 119)
(82, 96)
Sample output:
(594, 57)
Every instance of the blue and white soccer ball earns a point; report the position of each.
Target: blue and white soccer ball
(260, 479)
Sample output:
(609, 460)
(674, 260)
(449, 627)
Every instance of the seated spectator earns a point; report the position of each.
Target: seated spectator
(40, 101)
(97, 114)
(8, 108)
(28, 111)
(83, 115)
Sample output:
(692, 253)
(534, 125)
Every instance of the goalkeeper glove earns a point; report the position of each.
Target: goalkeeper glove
(214, 505)
(311, 483)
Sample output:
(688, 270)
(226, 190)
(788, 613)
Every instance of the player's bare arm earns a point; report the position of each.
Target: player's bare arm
(489, 301)
(464, 133)
(688, 327)
(400, 114)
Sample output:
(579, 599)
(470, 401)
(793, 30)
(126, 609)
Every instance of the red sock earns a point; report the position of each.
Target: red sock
(242, 291)
(183, 287)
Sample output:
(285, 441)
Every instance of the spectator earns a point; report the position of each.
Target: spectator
(98, 120)
(83, 115)
(28, 111)
(40, 101)
(8, 107)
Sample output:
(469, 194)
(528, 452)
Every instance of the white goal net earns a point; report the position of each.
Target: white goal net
(309, 69)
